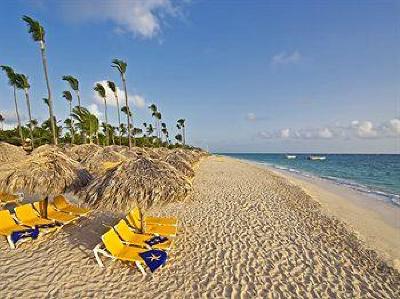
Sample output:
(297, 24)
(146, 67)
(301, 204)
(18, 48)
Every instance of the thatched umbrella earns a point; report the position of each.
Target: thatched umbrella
(180, 164)
(44, 174)
(80, 152)
(142, 182)
(43, 149)
(9, 153)
(95, 161)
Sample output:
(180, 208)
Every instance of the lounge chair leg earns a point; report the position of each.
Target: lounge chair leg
(140, 267)
(96, 255)
(10, 242)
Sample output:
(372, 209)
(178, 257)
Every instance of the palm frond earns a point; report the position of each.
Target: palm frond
(120, 65)
(12, 80)
(73, 82)
(34, 28)
(67, 95)
(46, 101)
(112, 86)
(22, 81)
(100, 90)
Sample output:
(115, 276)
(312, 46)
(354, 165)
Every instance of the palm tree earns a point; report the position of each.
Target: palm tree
(74, 84)
(178, 137)
(68, 96)
(164, 130)
(113, 88)
(150, 130)
(157, 116)
(121, 67)
(153, 110)
(12, 81)
(86, 121)
(122, 129)
(2, 122)
(102, 93)
(38, 33)
(23, 83)
(181, 125)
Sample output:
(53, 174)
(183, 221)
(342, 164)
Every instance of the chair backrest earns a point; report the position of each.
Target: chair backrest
(134, 218)
(25, 212)
(123, 230)
(36, 205)
(112, 242)
(6, 219)
(60, 202)
(7, 197)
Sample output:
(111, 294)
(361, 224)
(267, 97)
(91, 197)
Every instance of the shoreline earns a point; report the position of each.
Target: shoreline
(376, 222)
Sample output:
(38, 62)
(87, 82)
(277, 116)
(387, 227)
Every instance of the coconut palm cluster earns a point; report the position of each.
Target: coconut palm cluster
(115, 178)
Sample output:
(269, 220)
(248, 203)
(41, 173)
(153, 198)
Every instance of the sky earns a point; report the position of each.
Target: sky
(248, 76)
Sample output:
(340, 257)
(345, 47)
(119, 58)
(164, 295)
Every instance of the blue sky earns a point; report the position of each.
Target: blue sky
(249, 76)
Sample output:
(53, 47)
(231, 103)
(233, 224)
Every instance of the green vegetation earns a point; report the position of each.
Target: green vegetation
(81, 126)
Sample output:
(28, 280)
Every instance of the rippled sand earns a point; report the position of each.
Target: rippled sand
(245, 233)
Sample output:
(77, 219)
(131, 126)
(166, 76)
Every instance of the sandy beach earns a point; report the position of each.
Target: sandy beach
(245, 232)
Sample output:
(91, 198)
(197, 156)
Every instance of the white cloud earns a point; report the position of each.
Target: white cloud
(251, 116)
(137, 100)
(285, 133)
(364, 129)
(286, 58)
(394, 125)
(143, 18)
(354, 129)
(325, 133)
(94, 109)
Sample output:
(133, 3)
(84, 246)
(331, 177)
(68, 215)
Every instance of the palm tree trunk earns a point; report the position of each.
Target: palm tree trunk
(83, 133)
(105, 113)
(119, 118)
(46, 75)
(28, 104)
(128, 119)
(72, 124)
(184, 135)
(18, 118)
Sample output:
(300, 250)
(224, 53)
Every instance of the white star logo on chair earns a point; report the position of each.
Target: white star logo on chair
(154, 257)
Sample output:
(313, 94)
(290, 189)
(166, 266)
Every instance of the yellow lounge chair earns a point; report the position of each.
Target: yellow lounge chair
(170, 221)
(132, 238)
(8, 226)
(62, 205)
(29, 217)
(133, 219)
(6, 198)
(55, 215)
(115, 249)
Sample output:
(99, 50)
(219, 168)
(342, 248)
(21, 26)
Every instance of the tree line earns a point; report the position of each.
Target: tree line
(82, 126)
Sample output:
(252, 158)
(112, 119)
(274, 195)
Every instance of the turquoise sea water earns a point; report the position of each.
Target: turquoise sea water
(374, 174)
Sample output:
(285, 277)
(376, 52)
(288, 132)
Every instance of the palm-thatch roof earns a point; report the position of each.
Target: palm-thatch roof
(95, 161)
(80, 152)
(141, 182)
(46, 148)
(9, 153)
(43, 174)
(152, 153)
(179, 164)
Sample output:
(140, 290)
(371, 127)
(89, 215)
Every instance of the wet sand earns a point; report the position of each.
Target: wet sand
(245, 232)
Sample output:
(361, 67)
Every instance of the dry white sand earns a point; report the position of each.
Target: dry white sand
(245, 233)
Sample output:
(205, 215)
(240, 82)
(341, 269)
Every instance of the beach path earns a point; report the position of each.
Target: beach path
(245, 233)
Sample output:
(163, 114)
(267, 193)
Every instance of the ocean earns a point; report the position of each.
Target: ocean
(374, 174)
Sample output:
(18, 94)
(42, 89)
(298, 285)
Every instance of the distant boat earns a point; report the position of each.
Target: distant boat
(290, 157)
(316, 158)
